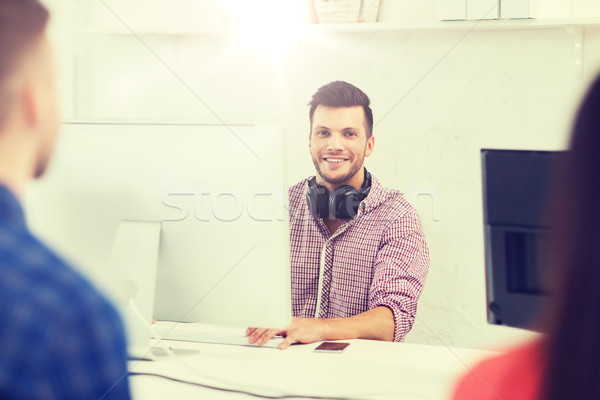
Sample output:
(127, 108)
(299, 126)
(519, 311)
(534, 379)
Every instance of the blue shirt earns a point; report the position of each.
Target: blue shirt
(59, 338)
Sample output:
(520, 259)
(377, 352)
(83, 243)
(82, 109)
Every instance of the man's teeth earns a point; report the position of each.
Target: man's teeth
(335, 159)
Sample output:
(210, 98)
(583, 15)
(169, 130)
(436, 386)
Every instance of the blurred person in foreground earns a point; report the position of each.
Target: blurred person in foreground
(60, 338)
(563, 364)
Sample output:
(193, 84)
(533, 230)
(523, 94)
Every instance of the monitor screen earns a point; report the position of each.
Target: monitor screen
(218, 191)
(516, 185)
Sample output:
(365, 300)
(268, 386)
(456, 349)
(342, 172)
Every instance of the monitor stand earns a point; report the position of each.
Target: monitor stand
(132, 272)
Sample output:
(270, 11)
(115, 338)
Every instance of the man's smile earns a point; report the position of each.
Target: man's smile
(335, 160)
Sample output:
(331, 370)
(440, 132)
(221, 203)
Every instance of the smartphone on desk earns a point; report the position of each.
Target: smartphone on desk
(331, 347)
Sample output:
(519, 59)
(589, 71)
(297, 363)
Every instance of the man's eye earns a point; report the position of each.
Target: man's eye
(350, 133)
(323, 133)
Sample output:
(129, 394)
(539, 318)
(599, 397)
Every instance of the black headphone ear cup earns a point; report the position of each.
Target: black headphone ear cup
(317, 198)
(344, 202)
(366, 186)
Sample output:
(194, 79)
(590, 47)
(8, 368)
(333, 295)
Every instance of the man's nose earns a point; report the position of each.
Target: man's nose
(335, 142)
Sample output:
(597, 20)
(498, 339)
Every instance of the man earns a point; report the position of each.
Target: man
(60, 339)
(358, 253)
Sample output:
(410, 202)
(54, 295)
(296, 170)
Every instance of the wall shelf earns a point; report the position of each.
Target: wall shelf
(488, 25)
(481, 25)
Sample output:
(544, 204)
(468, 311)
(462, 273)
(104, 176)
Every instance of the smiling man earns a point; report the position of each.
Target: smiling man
(358, 253)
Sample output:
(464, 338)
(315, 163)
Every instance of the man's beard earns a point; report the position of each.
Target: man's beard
(354, 168)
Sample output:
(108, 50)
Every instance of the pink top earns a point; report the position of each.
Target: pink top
(515, 375)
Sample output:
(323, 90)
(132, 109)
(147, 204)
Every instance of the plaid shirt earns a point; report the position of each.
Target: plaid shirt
(60, 339)
(378, 258)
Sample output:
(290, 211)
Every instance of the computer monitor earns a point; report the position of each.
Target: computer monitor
(218, 191)
(516, 187)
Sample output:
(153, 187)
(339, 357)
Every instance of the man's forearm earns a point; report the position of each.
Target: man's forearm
(377, 324)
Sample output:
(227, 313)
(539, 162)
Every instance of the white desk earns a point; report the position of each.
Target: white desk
(366, 369)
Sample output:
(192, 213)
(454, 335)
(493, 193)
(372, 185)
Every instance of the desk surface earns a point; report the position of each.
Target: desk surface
(365, 370)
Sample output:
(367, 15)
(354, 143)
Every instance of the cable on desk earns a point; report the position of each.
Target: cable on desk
(222, 389)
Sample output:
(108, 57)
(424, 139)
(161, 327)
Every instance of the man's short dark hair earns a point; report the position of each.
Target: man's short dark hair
(342, 94)
(22, 23)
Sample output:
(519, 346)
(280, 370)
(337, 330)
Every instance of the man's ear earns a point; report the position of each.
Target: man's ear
(370, 146)
(31, 99)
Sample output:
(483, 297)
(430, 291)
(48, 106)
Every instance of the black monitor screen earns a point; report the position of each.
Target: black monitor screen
(516, 187)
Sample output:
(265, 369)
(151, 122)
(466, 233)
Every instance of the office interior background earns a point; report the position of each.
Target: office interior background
(440, 92)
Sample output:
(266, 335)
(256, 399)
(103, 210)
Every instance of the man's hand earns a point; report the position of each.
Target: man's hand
(375, 324)
(303, 330)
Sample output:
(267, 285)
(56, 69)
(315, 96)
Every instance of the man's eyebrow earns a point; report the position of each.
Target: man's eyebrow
(348, 128)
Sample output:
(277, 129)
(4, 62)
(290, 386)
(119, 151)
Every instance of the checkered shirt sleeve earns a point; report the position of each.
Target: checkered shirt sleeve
(400, 269)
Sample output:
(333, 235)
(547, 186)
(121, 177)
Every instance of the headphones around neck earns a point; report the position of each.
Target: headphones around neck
(342, 203)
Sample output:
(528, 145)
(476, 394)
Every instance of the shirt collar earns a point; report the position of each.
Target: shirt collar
(374, 198)
(11, 212)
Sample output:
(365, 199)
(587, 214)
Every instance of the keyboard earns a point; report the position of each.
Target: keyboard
(204, 333)
(150, 353)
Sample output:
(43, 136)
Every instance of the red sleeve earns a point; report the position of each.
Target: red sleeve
(514, 375)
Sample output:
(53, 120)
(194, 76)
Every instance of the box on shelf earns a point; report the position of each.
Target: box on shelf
(337, 11)
(483, 9)
(512, 9)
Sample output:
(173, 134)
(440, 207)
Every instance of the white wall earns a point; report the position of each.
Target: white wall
(445, 95)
